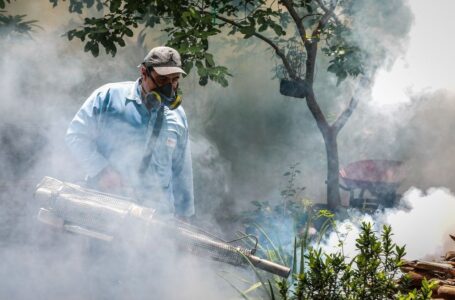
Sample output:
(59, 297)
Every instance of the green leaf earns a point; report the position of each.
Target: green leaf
(209, 60)
(95, 50)
(263, 27)
(89, 3)
(194, 14)
(115, 5)
(248, 31)
(128, 32)
(187, 66)
(202, 71)
(278, 29)
(88, 46)
(272, 294)
(203, 80)
(223, 81)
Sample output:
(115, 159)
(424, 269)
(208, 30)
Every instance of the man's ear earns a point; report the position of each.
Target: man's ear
(143, 71)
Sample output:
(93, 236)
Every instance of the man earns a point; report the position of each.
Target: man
(132, 137)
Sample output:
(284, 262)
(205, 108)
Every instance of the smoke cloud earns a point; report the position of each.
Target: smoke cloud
(423, 227)
(44, 81)
(243, 139)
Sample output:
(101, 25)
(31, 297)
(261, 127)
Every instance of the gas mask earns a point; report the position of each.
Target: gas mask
(163, 95)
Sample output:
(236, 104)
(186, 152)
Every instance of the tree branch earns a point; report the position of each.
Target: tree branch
(311, 15)
(344, 116)
(278, 51)
(330, 11)
(322, 22)
(311, 46)
(297, 19)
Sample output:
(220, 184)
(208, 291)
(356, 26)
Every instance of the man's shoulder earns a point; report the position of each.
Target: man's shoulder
(177, 117)
(118, 87)
(115, 93)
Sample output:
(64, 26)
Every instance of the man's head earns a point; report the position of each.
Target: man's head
(164, 60)
(161, 66)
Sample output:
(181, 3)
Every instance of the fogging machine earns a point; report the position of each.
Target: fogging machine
(107, 217)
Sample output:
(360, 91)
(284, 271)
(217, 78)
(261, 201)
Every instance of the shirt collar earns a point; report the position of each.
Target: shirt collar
(135, 92)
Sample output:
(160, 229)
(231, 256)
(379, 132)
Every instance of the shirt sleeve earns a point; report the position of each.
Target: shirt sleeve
(182, 180)
(81, 135)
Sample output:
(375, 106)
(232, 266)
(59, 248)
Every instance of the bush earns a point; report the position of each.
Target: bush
(372, 274)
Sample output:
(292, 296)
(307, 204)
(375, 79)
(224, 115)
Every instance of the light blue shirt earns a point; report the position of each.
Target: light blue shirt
(113, 127)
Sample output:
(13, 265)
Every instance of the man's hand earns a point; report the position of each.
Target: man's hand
(109, 180)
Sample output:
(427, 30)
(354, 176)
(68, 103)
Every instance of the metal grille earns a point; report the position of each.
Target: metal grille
(201, 244)
(103, 213)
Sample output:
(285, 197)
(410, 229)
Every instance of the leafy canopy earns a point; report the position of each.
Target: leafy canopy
(291, 28)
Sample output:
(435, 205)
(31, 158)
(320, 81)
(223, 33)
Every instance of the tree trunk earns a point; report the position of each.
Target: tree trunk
(329, 133)
(333, 191)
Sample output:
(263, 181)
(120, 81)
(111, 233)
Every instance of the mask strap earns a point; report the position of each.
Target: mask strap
(153, 79)
(148, 71)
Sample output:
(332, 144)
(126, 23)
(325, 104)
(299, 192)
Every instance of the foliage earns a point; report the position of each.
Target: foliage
(424, 293)
(372, 274)
(291, 213)
(346, 58)
(190, 24)
(16, 24)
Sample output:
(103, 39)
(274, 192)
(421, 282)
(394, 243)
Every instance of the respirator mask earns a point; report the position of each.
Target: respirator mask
(162, 95)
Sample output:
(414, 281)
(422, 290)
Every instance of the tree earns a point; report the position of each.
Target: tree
(296, 30)
(16, 24)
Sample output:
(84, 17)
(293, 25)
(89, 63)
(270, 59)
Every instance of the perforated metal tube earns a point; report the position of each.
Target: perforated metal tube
(97, 214)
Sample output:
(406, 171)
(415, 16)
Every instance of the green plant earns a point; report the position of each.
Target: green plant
(423, 293)
(290, 213)
(373, 273)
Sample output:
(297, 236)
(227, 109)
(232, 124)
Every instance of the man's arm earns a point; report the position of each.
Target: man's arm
(81, 136)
